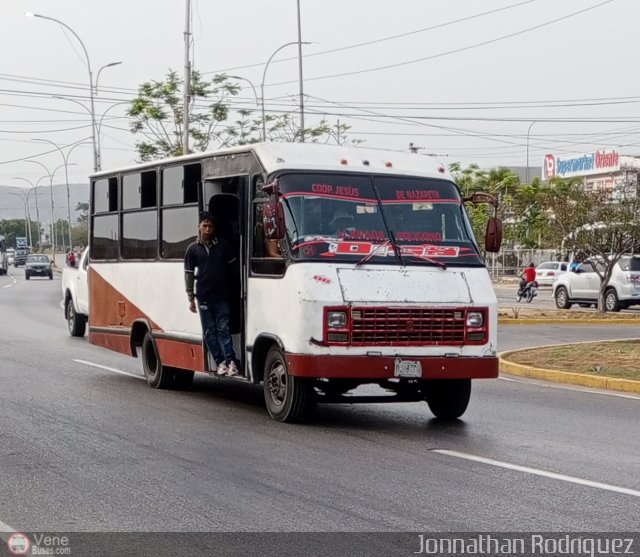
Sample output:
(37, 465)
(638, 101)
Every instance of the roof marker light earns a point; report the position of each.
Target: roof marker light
(441, 169)
(344, 161)
(388, 164)
(365, 162)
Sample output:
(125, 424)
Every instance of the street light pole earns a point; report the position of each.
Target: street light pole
(250, 83)
(53, 224)
(65, 158)
(96, 160)
(300, 75)
(527, 168)
(34, 189)
(109, 65)
(264, 73)
(186, 93)
(27, 218)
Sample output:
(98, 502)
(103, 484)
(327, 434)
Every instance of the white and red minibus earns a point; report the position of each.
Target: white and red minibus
(379, 279)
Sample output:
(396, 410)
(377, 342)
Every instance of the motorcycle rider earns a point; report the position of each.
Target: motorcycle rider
(528, 276)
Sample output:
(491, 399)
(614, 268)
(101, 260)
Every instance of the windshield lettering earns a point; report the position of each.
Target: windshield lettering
(366, 248)
(329, 189)
(410, 195)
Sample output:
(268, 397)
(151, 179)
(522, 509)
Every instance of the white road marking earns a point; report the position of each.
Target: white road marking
(113, 369)
(540, 383)
(5, 531)
(538, 472)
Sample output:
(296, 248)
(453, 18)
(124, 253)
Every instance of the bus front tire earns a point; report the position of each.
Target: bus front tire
(158, 375)
(448, 398)
(287, 398)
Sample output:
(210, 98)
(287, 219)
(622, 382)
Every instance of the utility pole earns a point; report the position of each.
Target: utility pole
(300, 76)
(186, 95)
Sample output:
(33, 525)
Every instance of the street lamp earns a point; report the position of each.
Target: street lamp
(264, 73)
(65, 158)
(109, 65)
(34, 188)
(53, 223)
(96, 159)
(250, 83)
(27, 219)
(527, 168)
(98, 126)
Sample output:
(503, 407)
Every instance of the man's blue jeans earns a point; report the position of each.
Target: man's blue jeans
(214, 317)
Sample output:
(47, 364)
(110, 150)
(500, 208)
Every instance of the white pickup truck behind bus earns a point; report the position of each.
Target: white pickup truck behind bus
(75, 295)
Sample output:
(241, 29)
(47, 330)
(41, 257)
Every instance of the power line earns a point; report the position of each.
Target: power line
(447, 53)
(376, 41)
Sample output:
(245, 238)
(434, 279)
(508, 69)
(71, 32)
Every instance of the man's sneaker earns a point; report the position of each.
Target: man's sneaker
(232, 369)
(223, 369)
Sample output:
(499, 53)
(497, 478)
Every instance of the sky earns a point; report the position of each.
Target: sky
(492, 82)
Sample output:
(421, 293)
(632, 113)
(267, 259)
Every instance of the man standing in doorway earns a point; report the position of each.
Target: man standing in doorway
(206, 266)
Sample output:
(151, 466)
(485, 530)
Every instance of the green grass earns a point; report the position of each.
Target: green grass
(619, 359)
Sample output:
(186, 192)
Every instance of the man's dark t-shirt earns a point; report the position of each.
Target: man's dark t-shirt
(210, 264)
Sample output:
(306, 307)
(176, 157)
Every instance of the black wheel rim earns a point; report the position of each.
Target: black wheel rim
(277, 383)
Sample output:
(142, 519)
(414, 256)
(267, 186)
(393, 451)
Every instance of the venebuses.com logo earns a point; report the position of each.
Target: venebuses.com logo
(18, 544)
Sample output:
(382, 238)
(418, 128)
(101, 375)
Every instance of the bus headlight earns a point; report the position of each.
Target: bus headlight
(336, 319)
(475, 319)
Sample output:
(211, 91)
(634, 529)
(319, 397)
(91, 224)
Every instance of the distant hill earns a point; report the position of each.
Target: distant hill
(12, 207)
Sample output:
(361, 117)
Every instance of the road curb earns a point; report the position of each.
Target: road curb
(567, 377)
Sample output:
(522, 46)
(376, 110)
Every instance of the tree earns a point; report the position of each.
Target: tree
(601, 224)
(80, 231)
(157, 114)
(15, 228)
(500, 182)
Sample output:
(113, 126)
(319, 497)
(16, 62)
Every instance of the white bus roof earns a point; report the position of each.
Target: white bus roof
(313, 156)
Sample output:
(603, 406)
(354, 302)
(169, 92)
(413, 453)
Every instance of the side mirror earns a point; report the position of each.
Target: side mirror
(493, 235)
(273, 219)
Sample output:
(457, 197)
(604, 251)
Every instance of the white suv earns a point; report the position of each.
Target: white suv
(582, 285)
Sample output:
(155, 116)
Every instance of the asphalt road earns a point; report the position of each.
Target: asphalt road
(86, 447)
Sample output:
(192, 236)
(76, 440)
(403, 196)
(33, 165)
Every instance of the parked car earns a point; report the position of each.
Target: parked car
(38, 265)
(582, 286)
(549, 271)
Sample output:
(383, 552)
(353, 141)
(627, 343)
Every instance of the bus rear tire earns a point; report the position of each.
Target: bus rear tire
(287, 398)
(448, 398)
(158, 376)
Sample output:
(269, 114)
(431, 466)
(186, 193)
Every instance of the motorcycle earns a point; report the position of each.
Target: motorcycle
(529, 291)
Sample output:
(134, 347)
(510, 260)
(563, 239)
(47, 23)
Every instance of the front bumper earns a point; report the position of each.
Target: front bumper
(383, 367)
(45, 272)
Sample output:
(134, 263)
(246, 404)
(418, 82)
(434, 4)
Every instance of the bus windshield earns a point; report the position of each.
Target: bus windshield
(378, 219)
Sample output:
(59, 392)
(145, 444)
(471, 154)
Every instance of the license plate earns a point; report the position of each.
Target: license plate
(407, 368)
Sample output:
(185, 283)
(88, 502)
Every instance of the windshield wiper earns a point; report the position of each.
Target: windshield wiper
(373, 252)
(392, 237)
(434, 262)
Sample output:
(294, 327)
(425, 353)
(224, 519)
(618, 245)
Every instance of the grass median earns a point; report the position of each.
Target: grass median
(618, 359)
